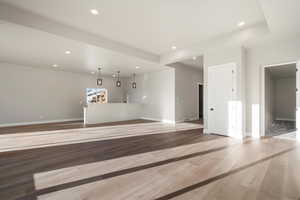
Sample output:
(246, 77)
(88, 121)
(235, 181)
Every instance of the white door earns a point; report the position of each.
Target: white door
(221, 93)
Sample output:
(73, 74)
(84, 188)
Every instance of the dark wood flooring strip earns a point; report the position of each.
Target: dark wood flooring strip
(64, 126)
(221, 176)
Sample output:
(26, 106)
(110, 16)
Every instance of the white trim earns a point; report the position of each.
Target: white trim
(205, 131)
(39, 122)
(284, 63)
(160, 120)
(285, 119)
(168, 121)
(186, 120)
(262, 94)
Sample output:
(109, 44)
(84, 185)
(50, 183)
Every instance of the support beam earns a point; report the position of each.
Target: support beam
(22, 17)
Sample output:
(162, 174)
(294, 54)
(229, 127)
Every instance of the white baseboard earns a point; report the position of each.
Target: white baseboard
(159, 120)
(186, 120)
(39, 122)
(205, 131)
(285, 119)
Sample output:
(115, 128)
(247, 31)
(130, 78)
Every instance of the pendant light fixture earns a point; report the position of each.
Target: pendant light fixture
(99, 79)
(134, 83)
(118, 83)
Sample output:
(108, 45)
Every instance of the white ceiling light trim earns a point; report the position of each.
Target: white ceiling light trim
(94, 12)
(241, 24)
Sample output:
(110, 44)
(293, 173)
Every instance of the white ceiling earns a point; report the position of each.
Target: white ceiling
(29, 47)
(151, 25)
(196, 63)
(283, 16)
(133, 33)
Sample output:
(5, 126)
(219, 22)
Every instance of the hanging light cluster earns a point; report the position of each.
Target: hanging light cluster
(118, 83)
(99, 78)
(134, 83)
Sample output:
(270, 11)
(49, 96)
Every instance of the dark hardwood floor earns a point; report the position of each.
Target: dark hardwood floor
(183, 165)
(18, 167)
(63, 126)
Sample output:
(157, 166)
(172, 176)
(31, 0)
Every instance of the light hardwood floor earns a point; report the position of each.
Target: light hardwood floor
(177, 163)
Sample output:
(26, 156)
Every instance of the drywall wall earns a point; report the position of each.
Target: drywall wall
(111, 112)
(285, 99)
(30, 95)
(187, 80)
(257, 57)
(156, 91)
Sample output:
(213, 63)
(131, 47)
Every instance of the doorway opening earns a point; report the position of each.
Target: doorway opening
(200, 102)
(280, 99)
(189, 89)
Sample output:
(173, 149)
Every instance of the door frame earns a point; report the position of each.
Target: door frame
(262, 120)
(198, 84)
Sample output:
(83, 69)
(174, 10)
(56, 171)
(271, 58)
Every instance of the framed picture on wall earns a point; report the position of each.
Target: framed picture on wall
(96, 95)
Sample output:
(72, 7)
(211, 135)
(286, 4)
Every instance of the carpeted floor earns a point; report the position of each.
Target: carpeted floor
(282, 127)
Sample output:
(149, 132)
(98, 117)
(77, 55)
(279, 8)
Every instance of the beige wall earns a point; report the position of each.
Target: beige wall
(285, 98)
(156, 91)
(257, 57)
(187, 80)
(30, 95)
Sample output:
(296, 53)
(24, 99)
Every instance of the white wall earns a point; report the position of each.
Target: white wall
(252, 60)
(187, 80)
(156, 90)
(285, 98)
(36, 95)
(257, 57)
(112, 112)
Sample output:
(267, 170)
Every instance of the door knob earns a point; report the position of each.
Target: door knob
(211, 109)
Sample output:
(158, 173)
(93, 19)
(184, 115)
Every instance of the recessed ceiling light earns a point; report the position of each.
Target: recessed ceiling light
(55, 65)
(137, 67)
(94, 11)
(174, 47)
(92, 72)
(67, 52)
(241, 24)
(194, 58)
